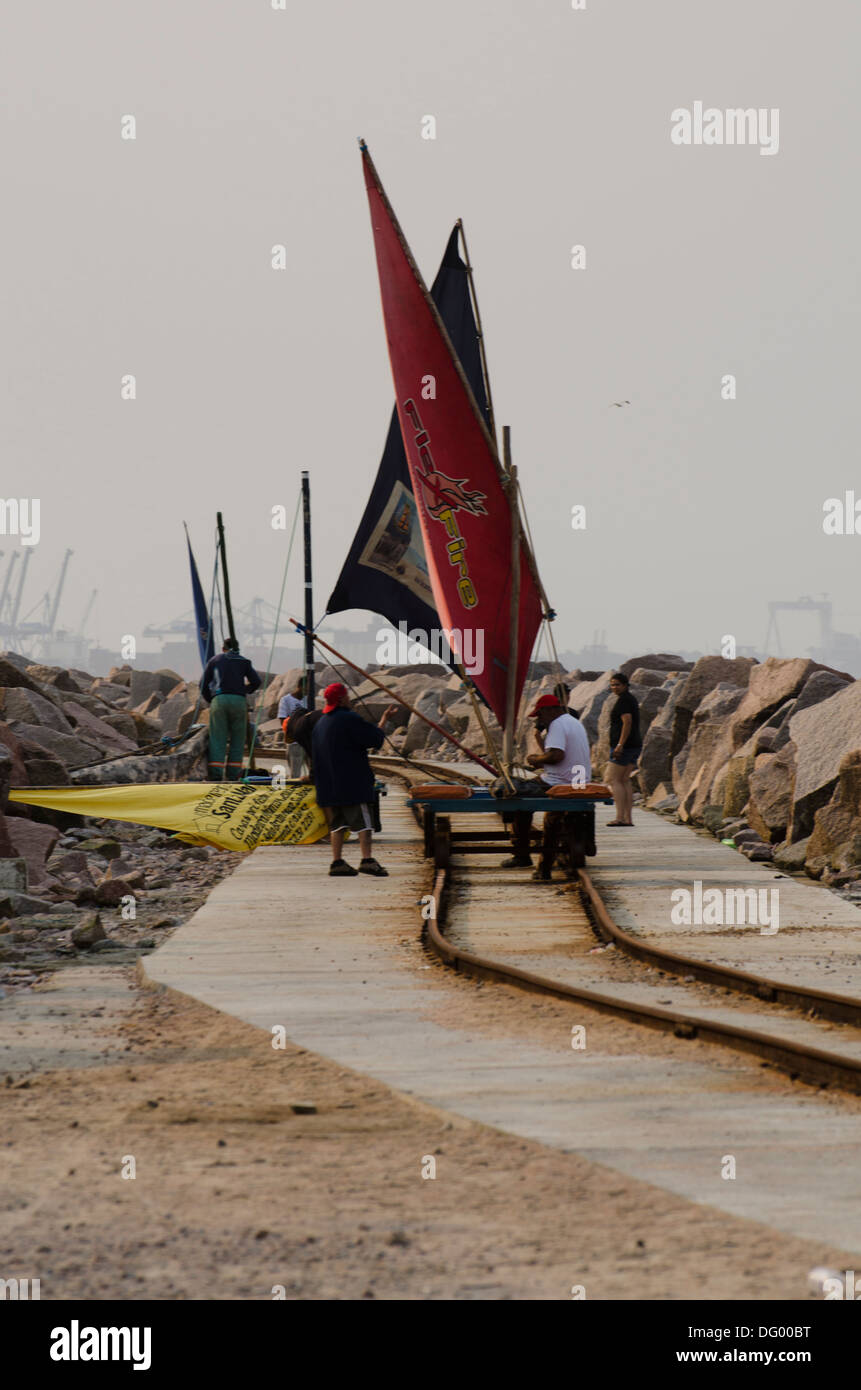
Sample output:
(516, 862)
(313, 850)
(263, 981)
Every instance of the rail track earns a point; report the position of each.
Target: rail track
(815, 1065)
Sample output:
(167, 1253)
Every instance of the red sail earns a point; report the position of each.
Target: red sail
(456, 474)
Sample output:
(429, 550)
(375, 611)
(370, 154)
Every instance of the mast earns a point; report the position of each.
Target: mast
(511, 690)
(483, 355)
(223, 550)
(310, 691)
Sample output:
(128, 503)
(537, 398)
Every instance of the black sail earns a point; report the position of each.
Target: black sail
(386, 570)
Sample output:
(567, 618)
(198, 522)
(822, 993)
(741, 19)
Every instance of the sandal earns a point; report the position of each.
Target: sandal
(339, 868)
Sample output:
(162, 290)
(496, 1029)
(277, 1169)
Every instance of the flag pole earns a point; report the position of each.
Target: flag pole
(513, 644)
(398, 699)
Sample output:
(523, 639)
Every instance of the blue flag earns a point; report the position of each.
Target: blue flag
(201, 615)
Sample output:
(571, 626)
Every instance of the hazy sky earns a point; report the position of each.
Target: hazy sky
(152, 257)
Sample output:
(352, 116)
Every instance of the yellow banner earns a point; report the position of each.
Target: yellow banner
(229, 815)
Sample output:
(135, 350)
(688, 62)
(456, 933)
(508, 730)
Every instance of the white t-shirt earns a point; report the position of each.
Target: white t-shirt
(567, 733)
(287, 704)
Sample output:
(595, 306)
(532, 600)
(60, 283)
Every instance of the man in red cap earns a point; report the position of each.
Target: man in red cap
(343, 778)
(564, 759)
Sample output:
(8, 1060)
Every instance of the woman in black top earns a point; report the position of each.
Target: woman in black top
(625, 748)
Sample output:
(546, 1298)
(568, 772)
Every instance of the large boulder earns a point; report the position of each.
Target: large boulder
(179, 766)
(653, 701)
(117, 696)
(695, 764)
(645, 678)
(13, 659)
(34, 844)
(13, 746)
(771, 783)
(588, 699)
(145, 683)
(819, 686)
(123, 723)
(84, 700)
(656, 765)
(771, 684)
(72, 751)
(6, 850)
(7, 768)
(836, 839)
(13, 673)
(96, 731)
(177, 704)
(148, 730)
(709, 671)
(660, 661)
(420, 734)
(150, 706)
(42, 769)
(823, 735)
(29, 707)
(53, 675)
(736, 784)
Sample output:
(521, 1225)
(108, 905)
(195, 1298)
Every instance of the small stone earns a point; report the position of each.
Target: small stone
(399, 1237)
(88, 932)
(111, 891)
(107, 849)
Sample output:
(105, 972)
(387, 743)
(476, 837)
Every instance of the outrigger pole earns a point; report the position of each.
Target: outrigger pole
(223, 550)
(397, 698)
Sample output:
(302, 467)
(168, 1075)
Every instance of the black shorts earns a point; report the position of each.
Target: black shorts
(356, 817)
(627, 757)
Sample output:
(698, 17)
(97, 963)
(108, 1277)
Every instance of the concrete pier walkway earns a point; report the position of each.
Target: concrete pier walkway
(337, 963)
(818, 941)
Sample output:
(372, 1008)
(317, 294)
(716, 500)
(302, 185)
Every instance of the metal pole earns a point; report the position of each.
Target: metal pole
(223, 549)
(511, 692)
(310, 689)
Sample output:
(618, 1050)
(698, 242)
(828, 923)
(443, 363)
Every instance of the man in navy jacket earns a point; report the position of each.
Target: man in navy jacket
(343, 778)
(227, 681)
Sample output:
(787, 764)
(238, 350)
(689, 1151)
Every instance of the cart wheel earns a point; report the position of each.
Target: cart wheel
(442, 842)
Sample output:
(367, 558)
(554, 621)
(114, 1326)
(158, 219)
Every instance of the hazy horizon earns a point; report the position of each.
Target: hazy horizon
(152, 257)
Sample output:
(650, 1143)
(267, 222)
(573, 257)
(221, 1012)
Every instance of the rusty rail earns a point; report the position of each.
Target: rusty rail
(802, 1062)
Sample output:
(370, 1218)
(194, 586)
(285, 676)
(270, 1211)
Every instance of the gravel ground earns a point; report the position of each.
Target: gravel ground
(259, 1170)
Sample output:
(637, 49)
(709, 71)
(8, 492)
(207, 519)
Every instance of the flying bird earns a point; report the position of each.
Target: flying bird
(618, 404)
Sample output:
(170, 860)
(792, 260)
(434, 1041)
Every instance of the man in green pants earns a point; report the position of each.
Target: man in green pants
(227, 681)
